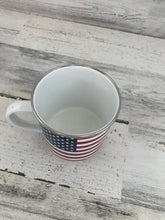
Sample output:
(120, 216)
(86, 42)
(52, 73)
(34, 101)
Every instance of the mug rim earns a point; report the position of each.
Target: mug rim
(85, 135)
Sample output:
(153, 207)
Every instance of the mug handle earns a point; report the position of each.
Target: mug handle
(21, 106)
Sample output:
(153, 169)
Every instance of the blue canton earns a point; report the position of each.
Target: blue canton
(61, 142)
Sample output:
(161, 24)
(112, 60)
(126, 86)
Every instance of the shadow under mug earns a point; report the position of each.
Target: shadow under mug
(75, 107)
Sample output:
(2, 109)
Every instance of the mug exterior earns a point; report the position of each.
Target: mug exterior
(74, 107)
(73, 148)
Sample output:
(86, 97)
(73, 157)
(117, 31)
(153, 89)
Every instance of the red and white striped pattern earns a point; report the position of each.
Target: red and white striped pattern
(86, 147)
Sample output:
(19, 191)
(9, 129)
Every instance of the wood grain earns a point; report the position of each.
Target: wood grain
(10, 28)
(25, 198)
(142, 17)
(52, 201)
(37, 36)
(146, 196)
(88, 42)
(143, 179)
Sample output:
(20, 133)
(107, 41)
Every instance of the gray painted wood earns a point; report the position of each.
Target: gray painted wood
(37, 36)
(143, 180)
(142, 17)
(25, 198)
(83, 41)
(146, 196)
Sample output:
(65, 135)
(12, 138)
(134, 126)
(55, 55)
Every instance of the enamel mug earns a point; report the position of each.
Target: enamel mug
(74, 106)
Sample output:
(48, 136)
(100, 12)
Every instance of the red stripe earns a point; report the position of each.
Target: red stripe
(90, 147)
(71, 154)
(85, 142)
(67, 157)
(77, 159)
(90, 144)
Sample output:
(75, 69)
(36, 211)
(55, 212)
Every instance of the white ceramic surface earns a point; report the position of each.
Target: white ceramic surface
(76, 100)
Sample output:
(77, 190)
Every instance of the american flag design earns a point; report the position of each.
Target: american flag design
(72, 148)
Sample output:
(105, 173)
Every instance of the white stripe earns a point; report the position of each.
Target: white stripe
(79, 150)
(92, 142)
(61, 154)
(88, 139)
(83, 148)
(86, 149)
(77, 159)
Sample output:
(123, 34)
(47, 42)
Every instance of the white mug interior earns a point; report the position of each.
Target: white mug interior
(76, 100)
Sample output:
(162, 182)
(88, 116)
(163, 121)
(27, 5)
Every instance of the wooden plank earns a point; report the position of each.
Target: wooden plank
(27, 152)
(25, 198)
(143, 179)
(142, 17)
(141, 91)
(91, 43)
(51, 201)
(9, 213)
(146, 196)
(12, 27)
(146, 99)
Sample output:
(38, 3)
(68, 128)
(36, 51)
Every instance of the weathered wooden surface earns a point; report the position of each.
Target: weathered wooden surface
(24, 198)
(83, 41)
(143, 179)
(142, 17)
(37, 36)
